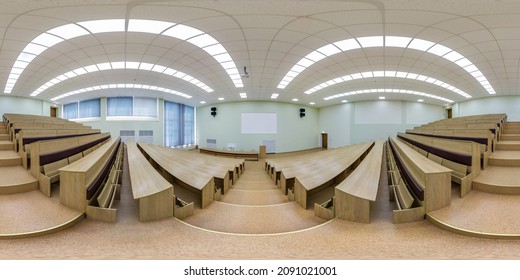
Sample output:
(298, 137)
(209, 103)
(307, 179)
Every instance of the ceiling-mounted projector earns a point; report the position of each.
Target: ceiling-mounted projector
(245, 74)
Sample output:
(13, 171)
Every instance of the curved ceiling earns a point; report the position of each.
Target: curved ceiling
(316, 53)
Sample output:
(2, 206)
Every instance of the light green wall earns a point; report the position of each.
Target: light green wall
(353, 123)
(490, 105)
(114, 127)
(293, 133)
(22, 105)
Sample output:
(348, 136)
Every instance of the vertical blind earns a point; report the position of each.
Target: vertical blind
(179, 123)
(83, 109)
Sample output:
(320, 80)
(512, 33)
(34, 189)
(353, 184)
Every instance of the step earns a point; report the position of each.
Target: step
(505, 158)
(499, 180)
(6, 146)
(512, 124)
(510, 137)
(508, 146)
(4, 137)
(10, 158)
(15, 179)
(511, 130)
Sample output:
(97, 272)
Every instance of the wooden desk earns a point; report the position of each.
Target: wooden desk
(154, 193)
(233, 154)
(76, 177)
(323, 172)
(354, 194)
(177, 171)
(434, 178)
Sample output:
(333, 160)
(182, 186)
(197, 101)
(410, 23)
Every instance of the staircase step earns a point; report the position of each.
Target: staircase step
(4, 137)
(505, 158)
(508, 146)
(15, 179)
(10, 158)
(6, 146)
(512, 124)
(498, 179)
(510, 137)
(511, 130)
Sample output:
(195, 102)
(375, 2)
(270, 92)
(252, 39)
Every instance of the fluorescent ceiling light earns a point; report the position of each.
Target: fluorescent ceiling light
(344, 101)
(47, 40)
(329, 50)
(421, 45)
(368, 91)
(34, 49)
(382, 98)
(312, 103)
(397, 41)
(104, 25)
(274, 95)
(221, 98)
(347, 45)
(295, 99)
(243, 95)
(369, 42)
(420, 100)
(148, 26)
(439, 50)
(203, 102)
(68, 31)
(315, 56)
(120, 86)
(203, 40)
(182, 32)
(215, 49)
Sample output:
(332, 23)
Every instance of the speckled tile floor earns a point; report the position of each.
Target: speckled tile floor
(337, 239)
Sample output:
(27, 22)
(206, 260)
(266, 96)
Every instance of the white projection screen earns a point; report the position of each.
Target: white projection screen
(259, 123)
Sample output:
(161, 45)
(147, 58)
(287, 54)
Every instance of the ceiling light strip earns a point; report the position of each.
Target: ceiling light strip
(386, 41)
(122, 65)
(386, 90)
(387, 74)
(66, 32)
(121, 86)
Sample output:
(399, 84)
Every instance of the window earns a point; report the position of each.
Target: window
(141, 107)
(119, 106)
(179, 124)
(83, 109)
(90, 108)
(70, 111)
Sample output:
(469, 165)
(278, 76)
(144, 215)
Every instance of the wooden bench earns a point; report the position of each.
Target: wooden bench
(462, 157)
(154, 193)
(429, 182)
(28, 136)
(228, 153)
(314, 176)
(179, 173)
(353, 196)
(408, 210)
(482, 137)
(82, 181)
(49, 156)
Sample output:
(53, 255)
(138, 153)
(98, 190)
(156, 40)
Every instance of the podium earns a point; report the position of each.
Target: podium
(324, 140)
(261, 152)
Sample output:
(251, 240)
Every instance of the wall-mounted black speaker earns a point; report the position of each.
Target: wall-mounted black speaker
(302, 112)
(213, 111)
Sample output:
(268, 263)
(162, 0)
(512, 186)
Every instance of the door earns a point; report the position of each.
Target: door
(54, 110)
(448, 111)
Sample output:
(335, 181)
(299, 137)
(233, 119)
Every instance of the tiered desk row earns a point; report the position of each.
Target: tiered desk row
(92, 183)
(154, 193)
(417, 184)
(205, 176)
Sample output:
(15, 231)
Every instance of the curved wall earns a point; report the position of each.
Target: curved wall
(23, 105)
(490, 105)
